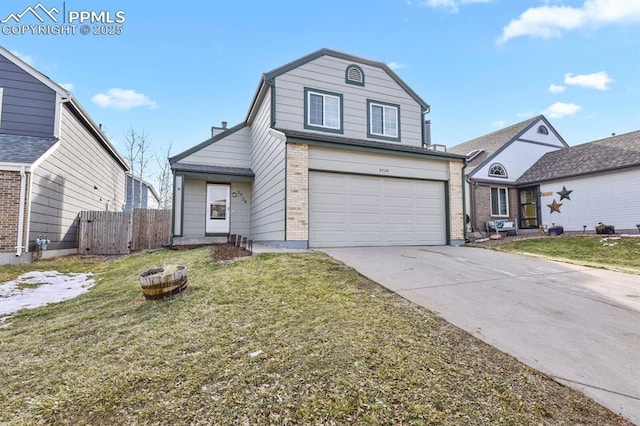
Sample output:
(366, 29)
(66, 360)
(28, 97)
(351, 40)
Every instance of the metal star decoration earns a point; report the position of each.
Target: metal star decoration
(564, 193)
(554, 206)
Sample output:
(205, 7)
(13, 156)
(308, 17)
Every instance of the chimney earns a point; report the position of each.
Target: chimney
(217, 130)
(427, 133)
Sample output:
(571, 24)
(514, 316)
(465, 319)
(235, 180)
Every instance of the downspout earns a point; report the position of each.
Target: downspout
(23, 185)
(464, 203)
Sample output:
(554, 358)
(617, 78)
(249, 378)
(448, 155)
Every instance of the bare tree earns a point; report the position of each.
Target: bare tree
(143, 161)
(165, 187)
(138, 157)
(132, 152)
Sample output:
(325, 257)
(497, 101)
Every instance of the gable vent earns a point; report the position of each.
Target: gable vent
(354, 75)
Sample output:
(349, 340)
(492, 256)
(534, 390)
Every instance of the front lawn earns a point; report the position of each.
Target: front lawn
(276, 339)
(621, 254)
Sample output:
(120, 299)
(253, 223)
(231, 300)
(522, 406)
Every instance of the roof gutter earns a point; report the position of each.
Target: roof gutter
(23, 187)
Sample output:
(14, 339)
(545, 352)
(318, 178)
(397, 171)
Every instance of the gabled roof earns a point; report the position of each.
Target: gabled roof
(488, 146)
(67, 98)
(23, 149)
(206, 143)
(269, 77)
(616, 152)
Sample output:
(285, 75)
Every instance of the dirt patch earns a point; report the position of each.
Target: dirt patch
(223, 252)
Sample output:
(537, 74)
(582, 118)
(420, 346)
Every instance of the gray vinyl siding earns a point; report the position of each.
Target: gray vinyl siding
(376, 164)
(268, 158)
(195, 202)
(231, 151)
(28, 106)
(79, 175)
(240, 218)
(327, 73)
(195, 193)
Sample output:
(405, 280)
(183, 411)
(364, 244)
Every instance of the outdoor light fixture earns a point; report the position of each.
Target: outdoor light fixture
(233, 194)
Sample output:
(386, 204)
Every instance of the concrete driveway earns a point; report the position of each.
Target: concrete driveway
(579, 325)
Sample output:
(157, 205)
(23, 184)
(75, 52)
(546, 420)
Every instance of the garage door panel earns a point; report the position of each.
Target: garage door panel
(356, 210)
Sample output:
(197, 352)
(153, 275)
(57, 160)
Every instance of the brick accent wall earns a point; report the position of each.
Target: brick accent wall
(9, 210)
(456, 208)
(297, 209)
(482, 204)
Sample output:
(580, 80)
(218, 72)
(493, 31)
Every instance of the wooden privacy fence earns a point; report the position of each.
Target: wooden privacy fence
(122, 232)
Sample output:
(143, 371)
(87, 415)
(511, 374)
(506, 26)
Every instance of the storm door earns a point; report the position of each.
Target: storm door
(217, 209)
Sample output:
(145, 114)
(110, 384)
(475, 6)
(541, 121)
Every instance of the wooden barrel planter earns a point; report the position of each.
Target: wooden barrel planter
(158, 283)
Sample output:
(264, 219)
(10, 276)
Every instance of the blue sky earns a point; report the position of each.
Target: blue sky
(180, 67)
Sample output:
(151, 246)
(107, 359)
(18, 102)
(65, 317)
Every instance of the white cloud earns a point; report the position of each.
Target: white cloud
(67, 86)
(551, 21)
(123, 99)
(451, 5)
(561, 109)
(597, 80)
(556, 88)
(396, 65)
(27, 58)
(527, 114)
(498, 124)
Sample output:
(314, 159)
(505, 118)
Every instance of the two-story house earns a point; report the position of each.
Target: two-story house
(54, 163)
(332, 153)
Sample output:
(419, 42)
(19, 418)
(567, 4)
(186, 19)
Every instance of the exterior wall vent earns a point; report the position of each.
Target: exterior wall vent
(354, 75)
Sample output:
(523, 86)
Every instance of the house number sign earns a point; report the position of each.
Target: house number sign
(384, 170)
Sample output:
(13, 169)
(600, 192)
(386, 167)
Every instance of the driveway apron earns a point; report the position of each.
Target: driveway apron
(579, 325)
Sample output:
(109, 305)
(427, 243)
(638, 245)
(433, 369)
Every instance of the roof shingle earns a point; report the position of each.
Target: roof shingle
(23, 149)
(611, 153)
(491, 143)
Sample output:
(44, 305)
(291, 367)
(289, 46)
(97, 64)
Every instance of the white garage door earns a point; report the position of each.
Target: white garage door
(354, 210)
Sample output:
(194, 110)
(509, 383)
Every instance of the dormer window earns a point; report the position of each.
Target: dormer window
(354, 75)
(497, 170)
(543, 130)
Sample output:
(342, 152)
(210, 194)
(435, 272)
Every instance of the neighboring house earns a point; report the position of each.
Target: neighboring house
(495, 164)
(54, 163)
(150, 199)
(589, 183)
(332, 153)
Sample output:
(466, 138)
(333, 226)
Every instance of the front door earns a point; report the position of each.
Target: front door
(529, 207)
(217, 214)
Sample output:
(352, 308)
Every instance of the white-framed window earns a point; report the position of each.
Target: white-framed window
(497, 170)
(499, 202)
(323, 110)
(384, 120)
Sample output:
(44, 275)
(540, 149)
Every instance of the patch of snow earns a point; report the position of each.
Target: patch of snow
(35, 289)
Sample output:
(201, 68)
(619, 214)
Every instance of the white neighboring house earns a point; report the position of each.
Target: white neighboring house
(150, 198)
(590, 183)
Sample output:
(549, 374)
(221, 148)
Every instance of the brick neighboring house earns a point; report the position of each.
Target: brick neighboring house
(333, 152)
(495, 163)
(54, 163)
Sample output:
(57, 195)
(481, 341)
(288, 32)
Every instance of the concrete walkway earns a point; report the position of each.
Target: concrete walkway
(579, 325)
